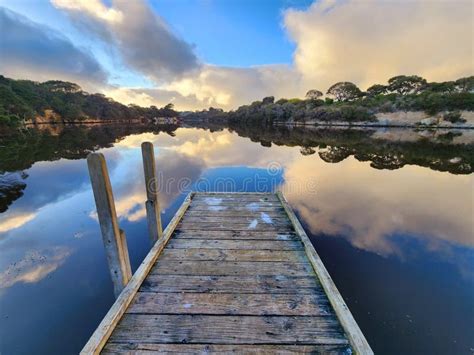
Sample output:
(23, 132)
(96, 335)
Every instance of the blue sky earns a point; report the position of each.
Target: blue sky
(225, 53)
(233, 32)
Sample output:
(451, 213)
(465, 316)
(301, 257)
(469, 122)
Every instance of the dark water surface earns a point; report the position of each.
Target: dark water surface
(390, 212)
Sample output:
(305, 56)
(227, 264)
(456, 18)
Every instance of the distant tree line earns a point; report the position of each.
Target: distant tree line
(22, 100)
(401, 85)
(344, 101)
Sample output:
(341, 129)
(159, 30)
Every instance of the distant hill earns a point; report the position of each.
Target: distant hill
(60, 101)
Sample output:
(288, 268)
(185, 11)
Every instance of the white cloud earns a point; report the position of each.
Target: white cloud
(17, 221)
(34, 266)
(228, 87)
(143, 39)
(93, 8)
(367, 42)
(32, 51)
(216, 86)
(131, 96)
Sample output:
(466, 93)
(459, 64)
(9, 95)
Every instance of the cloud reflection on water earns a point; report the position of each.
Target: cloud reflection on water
(368, 207)
(365, 205)
(34, 266)
(128, 181)
(15, 221)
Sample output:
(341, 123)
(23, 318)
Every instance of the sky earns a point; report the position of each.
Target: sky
(225, 53)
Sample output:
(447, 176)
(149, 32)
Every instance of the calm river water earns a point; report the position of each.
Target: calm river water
(390, 212)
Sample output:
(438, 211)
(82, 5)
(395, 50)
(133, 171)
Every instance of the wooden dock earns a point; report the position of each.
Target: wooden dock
(232, 272)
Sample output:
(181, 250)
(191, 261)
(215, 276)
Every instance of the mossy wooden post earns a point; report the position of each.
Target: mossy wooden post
(151, 184)
(113, 237)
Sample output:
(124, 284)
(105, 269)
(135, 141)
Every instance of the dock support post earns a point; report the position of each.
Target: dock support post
(113, 237)
(152, 205)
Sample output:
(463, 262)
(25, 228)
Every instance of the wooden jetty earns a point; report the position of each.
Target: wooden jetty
(232, 272)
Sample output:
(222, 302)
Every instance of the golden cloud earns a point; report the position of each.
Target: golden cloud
(16, 221)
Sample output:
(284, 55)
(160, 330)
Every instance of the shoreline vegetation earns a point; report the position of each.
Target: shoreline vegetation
(405, 101)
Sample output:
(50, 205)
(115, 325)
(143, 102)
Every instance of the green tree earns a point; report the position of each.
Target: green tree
(444, 87)
(64, 86)
(313, 94)
(465, 84)
(344, 91)
(168, 111)
(268, 100)
(406, 84)
(376, 89)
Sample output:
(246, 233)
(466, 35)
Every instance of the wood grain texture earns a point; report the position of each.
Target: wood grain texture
(114, 240)
(228, 329)
(124, 246)
(253, 206)
(231, 268)
(154, 221)
(234, 235)
(239, 219)
(231, 304)
(246, 209)
(152, 205)
(199, 254)
(232, 197)
(227, 212)
(235, 244)
(232, 284)
(147, 348)
(283, 227)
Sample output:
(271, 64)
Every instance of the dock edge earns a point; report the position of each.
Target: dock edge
(350, 326)
(107, 325)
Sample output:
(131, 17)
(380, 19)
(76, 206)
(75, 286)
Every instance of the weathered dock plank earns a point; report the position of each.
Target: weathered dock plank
(231, 268)
(235, 244)
(263, 218)
(224, 329)
(142, 348)
(254, 225)
(246, 210)
(265, 304)
(234, 273)
(234, 255)
(235, 213)
(231, 284)
(238, 235)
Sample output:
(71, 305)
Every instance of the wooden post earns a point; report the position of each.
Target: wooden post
(114, 239)
(123, 243)
(152, 205)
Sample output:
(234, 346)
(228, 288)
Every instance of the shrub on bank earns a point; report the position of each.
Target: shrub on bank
(454, 117)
